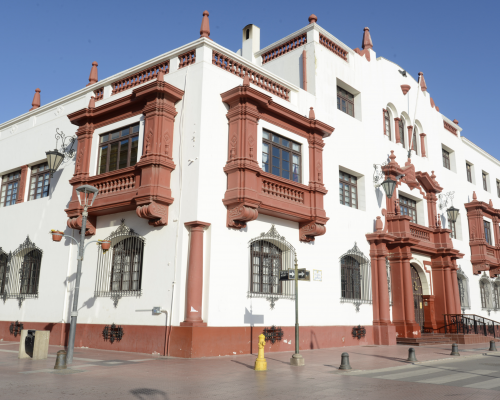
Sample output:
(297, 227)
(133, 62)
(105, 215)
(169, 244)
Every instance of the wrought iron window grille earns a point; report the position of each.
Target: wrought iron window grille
(4, 262)
(112, 333)
(23, 272)
(119, 270)
(486, 291)
(355, 278)
(269, 254)
(463, 289)
(16, 328)
(358, 332)
(273, 334)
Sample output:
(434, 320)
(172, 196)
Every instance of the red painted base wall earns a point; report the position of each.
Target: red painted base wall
(189, 342)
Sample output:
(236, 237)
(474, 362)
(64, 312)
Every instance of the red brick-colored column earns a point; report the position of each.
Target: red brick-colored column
(431, 209)
(412, 328)
(422, 144)
(456, 294)
(194, 284)
(396, 129)
(383, 292)
(429, 312)
(450, 295)
(21, 189)
(410, 133)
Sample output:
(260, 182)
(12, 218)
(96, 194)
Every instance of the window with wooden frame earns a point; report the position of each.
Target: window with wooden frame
(408, 207)
(281, 156)
(387, 124)
(485, 181)
(350, 278)
(126, 270)
(345, 101)
(348, 189)
(3, 271)
(446, 159)
(30, 272)
(118, 149)
(414, 140)
(266, 266)
(401, 125)
(39, 182)
(453, 227)
(487, 232)
(10, 186)
(469, 172)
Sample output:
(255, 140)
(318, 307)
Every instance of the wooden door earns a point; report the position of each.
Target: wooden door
(417, 297)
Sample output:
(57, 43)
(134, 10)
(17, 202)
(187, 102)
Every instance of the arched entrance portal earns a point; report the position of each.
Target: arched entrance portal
(417, 297)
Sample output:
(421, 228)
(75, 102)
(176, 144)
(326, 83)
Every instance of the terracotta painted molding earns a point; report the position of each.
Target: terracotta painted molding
(405, 89)
(421, 80)
(76, 223)
(144, 187)
(450, 128)
(250, 190)
(93, 74)
(366, 44)
(333, 47)
(194, 281)
(36, 100)
(187, 58)
(21, 189)
(484, 257)
(284, 48)
(422, 144)
(230, 65)
(396, 129)
(99, 93)
(140, 77)
(410, 134)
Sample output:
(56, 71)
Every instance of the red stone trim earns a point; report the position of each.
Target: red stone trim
(250, 190)
(257, 79)
(144, 187)
(422, 144)
(284, 48)
(396, 130)
(405, 89)
(99, 94)
(140, 77)
(333, 47)
(188, 58)
(450, 128)
(21, 190)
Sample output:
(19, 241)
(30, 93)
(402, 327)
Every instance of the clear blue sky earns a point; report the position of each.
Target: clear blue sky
(51, 44)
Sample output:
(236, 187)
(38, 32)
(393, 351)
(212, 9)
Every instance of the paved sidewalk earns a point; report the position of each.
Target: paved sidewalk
(99, 374)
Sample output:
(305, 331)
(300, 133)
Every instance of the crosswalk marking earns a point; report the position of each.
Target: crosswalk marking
(456, 377)
(489, 384)
(414, 372)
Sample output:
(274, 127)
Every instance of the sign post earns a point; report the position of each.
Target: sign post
(297, 360)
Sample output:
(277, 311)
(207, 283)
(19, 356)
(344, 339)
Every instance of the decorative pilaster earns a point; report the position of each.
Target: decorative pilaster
(396, 130)
(410, 134)
(21, 189)
(422, 144)
(194, 283)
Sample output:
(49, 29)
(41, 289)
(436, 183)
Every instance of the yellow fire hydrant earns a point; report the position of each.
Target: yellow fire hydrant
(260, 363)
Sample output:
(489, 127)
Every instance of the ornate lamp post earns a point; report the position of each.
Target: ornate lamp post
(86, 197)
(56, 157)
(388, 185)
(452, 214)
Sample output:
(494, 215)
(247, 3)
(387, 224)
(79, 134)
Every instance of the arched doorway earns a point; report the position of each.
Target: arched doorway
(417, 297)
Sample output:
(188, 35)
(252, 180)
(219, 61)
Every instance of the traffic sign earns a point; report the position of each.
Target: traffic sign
(289, 275)
(304, 275)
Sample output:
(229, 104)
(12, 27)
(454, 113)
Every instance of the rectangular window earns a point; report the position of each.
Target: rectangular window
(280, 156)
(498, 188)
(40, 181)
(453, 227)
(446, 159)
(408, 207)
(469, 172)
(118, 149)
(10, 186)
(345, 101)
(348, 190)
(387, 124)
(485, 181)
(487, 232)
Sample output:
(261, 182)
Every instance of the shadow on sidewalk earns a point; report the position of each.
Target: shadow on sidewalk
(246, 365)
(149, 394)
(386, 357)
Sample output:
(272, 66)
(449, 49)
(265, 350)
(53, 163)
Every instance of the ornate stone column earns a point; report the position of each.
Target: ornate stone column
(194, 283)
(410, 133)
(456, 293)
(450, 295)
(422, 144)
(396, 129)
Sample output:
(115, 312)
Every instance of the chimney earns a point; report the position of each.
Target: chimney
(251, 42)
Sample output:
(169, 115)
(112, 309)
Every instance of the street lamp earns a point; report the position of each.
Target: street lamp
(86, 197)
(388, 186)
(56, 157)
(452, 214)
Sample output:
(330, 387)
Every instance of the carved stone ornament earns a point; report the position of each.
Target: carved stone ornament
(238, 216)
(308, 231)
(156, 213)
(76, 223)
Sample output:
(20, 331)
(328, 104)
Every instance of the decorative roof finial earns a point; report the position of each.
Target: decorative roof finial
(379, 225)
(392, 157)
(423, 86)
(92, 103)
(313, 19)
(93, 74)
(312, 115)
(367, 40)
(36, 99)
(455, 121)
(205, 25)
(474, 197)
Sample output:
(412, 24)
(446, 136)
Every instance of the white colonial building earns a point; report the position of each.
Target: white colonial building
(215, 170)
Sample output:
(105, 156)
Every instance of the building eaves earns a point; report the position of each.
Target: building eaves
(480, 150)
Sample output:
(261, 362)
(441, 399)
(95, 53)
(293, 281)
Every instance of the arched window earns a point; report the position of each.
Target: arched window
(355, 278)
(270, 253)
(414, 140)
(3, 271)
(119, 270)
(463, 289)
(30, 272)
(402, 130)
(387, 124)
(486, 293)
